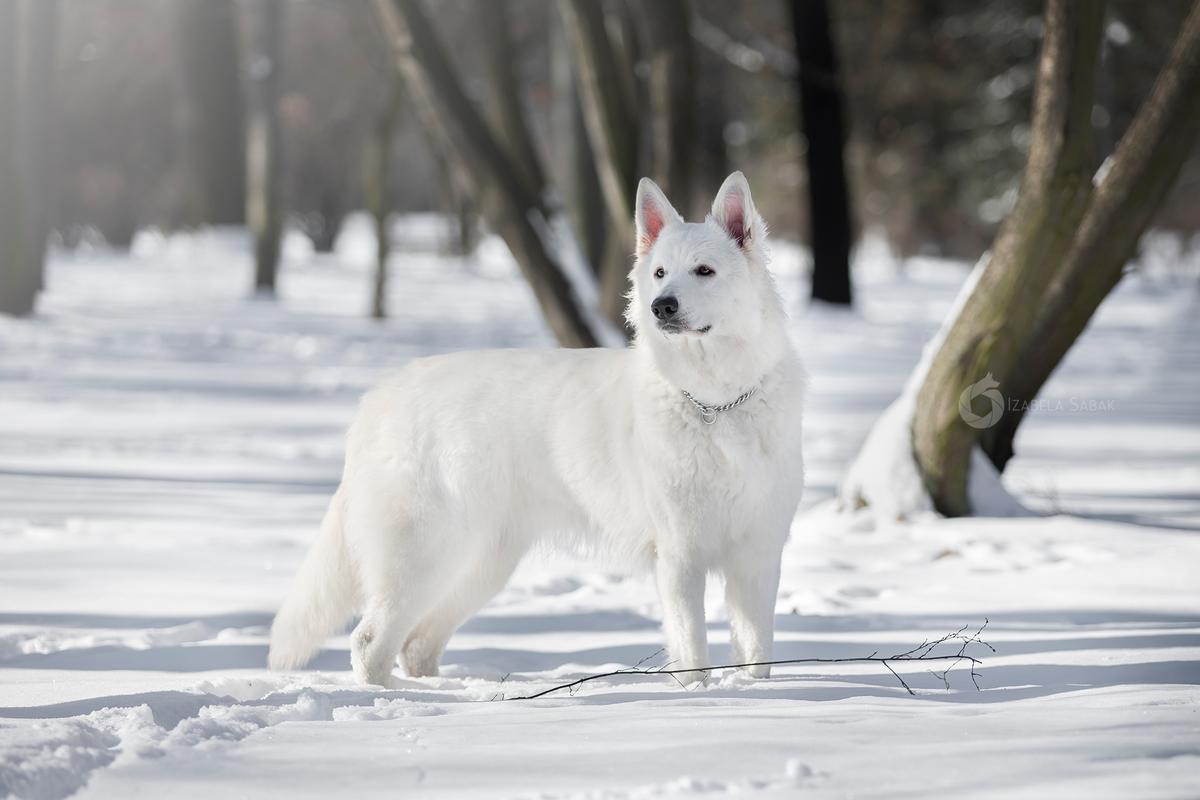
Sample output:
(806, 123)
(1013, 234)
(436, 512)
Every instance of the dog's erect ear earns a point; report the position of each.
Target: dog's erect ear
(652, 213)
(734, 209)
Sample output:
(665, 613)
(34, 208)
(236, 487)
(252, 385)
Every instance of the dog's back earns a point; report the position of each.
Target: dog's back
(493, 438)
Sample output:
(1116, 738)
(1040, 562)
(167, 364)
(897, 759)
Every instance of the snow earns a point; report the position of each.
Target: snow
(167, 447)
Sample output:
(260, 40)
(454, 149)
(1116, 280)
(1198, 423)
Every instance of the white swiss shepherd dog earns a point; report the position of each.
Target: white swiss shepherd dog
(457, 465)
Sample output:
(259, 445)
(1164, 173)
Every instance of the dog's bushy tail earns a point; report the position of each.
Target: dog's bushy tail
(322, 597)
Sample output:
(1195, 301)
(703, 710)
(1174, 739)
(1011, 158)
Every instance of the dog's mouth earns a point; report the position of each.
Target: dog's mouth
(670, 327)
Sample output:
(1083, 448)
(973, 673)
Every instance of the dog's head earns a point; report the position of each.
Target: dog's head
(703, 279)
(700, 288)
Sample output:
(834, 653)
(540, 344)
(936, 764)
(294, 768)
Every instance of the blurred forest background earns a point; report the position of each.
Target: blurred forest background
(149, 102)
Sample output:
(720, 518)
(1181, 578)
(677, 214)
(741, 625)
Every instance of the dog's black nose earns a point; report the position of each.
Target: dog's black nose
(665, 307)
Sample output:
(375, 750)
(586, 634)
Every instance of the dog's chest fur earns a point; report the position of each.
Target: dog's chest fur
(722, 480)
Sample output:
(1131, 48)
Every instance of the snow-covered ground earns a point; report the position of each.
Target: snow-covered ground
(167, 447)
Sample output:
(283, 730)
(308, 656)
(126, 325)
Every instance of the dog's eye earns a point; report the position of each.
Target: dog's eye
(705, 270)
(660, 273)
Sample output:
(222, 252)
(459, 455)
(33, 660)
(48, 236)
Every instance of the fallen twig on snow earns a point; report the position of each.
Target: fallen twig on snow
(922, 652)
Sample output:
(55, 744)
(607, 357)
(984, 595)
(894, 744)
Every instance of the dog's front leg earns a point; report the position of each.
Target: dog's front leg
(751, 586)
(681, 592)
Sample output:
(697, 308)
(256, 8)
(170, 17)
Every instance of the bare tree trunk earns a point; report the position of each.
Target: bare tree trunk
(16, 290)
(1137, 179)
(214, 132)
(378, 165)
(28, 34)
(573, 167)
(264, 156)
(984, 339)
(331, 208)
(455, 198)
(519, 216)
(625, 24)
(609, 111)
(38, 104)
(1061, 250)
(672, 71)
(504, 97)
(821, 113)
(39, 108)
(712, 162)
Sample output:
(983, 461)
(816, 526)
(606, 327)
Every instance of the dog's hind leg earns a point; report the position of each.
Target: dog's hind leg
(375, 642)
(397, 569)
(470, 590)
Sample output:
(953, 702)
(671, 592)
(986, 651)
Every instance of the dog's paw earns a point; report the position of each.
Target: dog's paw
(377, 680)
(758, 672)
(419, 659)
(394, 683)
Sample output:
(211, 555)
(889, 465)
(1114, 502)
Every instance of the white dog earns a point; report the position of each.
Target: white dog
(680, 454)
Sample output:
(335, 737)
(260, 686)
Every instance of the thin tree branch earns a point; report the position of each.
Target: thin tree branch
(907, 688)
(922, 652)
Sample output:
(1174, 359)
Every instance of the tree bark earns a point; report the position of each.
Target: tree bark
(572, 165)
(822, 121)
(672, 96)
(609, 111)
(16, 290)
(1033, 241)
(214, 132)
(264, 156)
(378, 165)
(518, 215)
(504, 97)
(28, 34)
(331, 210)
(712, 162)
(40, 112)
(1130, 191)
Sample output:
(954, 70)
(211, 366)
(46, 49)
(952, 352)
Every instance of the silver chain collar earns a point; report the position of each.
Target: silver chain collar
(709, 413)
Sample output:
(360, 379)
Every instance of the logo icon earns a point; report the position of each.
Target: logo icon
(987, 388)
